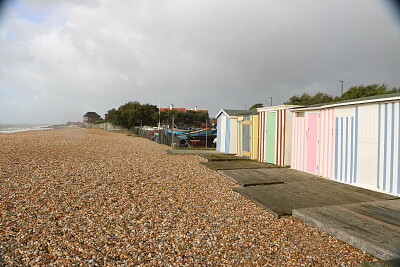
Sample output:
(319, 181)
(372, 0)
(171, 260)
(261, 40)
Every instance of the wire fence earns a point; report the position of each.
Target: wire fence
(164, 136)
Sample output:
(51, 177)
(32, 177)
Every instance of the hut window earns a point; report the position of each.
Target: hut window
(299, 114)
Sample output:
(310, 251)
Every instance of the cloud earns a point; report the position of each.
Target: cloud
(95, 55)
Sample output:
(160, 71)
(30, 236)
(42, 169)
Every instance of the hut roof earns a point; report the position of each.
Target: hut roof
(235, 112)
(91, 114)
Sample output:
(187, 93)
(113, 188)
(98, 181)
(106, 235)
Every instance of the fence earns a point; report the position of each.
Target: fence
(165, 137)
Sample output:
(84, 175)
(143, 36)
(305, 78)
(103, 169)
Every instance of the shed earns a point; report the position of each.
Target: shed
(355, 142)
(247, 141)
(91, 117)
(227, 130)
(275, 134)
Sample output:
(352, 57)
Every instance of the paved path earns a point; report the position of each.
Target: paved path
(252, 177)
(282, 199)
(220, 157)
(364, 218)
(374, 227)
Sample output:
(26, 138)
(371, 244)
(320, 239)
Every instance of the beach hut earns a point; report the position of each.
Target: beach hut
(247, 135)
(227, 130)
(275, 132)
(355, 142)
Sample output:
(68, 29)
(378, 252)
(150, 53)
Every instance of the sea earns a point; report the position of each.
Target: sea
(14, 128)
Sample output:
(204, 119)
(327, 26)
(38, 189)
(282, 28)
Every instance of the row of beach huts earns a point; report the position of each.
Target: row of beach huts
(355, 142)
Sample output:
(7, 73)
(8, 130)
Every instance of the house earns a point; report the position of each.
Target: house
(275, 134)
(227, 129)
(184, 110)
(247, 134)
(355, 142)
(91, 117)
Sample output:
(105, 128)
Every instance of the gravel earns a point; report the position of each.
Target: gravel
(90, 197)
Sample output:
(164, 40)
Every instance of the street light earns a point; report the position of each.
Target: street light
(140, 126)
(342, 87)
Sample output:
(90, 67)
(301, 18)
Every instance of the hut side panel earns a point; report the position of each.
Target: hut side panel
(346, 148)
(232, 145)
(388, 175)
(326, 143)
(281, 123)
(221, 132)
(254, 137)
(261, 135)
(288, 126)
(299, 141)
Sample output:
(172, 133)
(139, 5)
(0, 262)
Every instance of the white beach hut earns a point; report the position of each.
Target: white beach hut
(227, 130)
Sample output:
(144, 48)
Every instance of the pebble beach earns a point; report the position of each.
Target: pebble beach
(87, 197)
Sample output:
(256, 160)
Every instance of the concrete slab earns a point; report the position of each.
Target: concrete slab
(373, 227)
(221, 157)
(282, 199)
(265, 176)
(237, 164)
(388, 263)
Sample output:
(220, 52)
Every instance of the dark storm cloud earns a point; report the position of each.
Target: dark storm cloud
(96, 55)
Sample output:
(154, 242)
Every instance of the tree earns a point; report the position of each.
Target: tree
(365, 91)
(306, 99)
(131, 113)
(255, 106)
(354, 92)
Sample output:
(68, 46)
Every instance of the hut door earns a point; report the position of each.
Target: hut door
(246, 140)
(312, 143)
(270, 138)
(370, 124)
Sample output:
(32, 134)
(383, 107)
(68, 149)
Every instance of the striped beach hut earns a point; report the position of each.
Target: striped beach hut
(247, 135)
(227, 129)
(275, 134)
(355, 142)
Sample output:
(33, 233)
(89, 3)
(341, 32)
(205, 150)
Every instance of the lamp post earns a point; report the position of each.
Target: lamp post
(141, 125)
(342, 87)
(206, 134)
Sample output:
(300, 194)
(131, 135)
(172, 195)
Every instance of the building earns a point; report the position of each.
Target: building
(275, 134)
(171, 107)
(91, 117)
(355, 142)
(227, 129)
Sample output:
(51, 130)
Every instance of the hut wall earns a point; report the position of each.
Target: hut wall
(275, 136)
(378, 158)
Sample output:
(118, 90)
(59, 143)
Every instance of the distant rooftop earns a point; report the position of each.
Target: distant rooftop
(91, 114)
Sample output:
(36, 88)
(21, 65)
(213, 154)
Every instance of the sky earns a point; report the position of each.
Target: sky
(62, 58)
